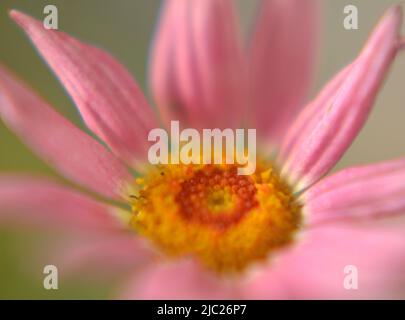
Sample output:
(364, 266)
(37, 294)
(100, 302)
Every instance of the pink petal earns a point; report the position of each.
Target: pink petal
(282, 55)
(71, 151)
(101, 255)
(183, 280)
(74, 153)
(197, 72)
(402, 44)
(28, 200)
(108, 98)
(358, 193)
(314, 268)
(346, 112)
(311, 115)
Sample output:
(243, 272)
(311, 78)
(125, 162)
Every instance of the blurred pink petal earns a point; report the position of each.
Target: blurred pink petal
(376, 190)
(314, 268)
(108, 98)
(282, 55)
(102, 255)
(197, 71)
(402, 44)
(347, 111)
(28, 200)
(74, 153)
(182, 280)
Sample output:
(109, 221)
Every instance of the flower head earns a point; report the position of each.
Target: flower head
(225, 220)
(203, 226)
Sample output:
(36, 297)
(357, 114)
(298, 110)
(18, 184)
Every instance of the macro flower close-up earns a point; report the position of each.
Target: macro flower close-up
(291, 228)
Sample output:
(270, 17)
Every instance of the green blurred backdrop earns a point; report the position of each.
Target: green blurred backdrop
(125, 28)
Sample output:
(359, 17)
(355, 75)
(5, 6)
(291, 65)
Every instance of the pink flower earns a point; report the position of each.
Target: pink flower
(289, 232)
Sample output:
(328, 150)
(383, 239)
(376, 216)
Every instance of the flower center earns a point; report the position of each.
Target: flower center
(216, 197)
(225, 220)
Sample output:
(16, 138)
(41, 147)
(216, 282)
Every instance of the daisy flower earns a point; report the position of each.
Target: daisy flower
(202, 231)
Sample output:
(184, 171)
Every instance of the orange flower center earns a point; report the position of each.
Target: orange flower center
(216, 197)
(225, 220)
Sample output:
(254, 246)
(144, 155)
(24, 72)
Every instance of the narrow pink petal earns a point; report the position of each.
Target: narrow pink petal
(74, 153)
(358, 193)
(197, 70)
(28, 200)
(314, 268)
(282, 52)
(108, 98)
(311, 115)
(183, 280)
(347, 111)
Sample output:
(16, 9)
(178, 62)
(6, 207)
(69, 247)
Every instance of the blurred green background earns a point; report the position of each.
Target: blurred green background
(125, 28)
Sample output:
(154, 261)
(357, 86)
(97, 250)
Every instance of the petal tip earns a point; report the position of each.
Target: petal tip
(394, 13)
(18, 17)
(396, 9)
(15, 14)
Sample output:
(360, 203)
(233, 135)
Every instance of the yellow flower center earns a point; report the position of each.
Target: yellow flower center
(225, 220)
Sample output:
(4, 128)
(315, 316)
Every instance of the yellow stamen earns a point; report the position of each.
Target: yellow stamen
(225, 220)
